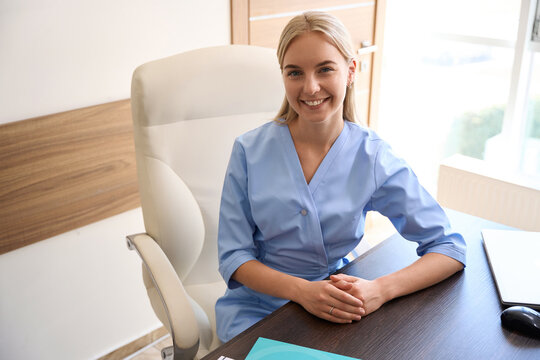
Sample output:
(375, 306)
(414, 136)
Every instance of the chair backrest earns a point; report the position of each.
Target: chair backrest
(187, 111)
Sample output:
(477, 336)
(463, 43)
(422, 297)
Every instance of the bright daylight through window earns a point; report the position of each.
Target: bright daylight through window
(462, 77)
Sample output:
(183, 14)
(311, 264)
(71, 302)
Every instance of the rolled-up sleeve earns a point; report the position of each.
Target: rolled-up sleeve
(411, 209)
(236, 225)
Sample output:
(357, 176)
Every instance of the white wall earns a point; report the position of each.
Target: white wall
(59, 55)
(74, 296)
(80, 295)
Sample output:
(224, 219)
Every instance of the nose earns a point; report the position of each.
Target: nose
(311, 85)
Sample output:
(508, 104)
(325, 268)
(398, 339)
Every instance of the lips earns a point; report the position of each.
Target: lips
(314, 103)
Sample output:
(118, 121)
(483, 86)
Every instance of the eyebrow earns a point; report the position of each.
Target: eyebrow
(326, 62)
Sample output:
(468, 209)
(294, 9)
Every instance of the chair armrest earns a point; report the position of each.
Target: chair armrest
(182, 323)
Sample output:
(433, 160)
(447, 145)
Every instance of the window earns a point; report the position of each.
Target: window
(462, 76)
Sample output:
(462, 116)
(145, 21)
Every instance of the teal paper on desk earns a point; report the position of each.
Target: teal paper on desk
(266, 349)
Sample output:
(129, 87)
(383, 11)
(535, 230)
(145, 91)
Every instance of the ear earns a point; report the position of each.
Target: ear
(352, 70)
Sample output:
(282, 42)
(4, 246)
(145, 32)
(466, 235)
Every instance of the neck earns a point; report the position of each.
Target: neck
(321, 135)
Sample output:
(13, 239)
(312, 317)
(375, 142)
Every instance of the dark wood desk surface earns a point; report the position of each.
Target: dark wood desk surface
(456, 319)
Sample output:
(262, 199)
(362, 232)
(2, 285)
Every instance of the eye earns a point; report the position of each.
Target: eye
(326, 69)
(294, 73)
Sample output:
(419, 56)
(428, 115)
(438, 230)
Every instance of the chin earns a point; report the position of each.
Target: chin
(317, 118)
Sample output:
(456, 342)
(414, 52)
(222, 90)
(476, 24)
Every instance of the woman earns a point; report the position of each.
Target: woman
(297, 191)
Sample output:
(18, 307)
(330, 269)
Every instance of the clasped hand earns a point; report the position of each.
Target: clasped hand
(341, 299)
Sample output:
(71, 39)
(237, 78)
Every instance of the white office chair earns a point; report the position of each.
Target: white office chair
(187, 110)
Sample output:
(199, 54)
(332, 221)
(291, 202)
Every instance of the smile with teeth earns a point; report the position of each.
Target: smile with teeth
(313, 102)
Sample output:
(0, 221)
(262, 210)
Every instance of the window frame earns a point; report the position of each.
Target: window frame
(536, 26)
(515, 116)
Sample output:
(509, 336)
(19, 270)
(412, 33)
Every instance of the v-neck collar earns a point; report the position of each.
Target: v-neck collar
(325, 164)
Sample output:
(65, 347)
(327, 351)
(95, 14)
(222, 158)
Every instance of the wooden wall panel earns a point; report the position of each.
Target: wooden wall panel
(63, 171)
(266, 32)
(363, 86)
(359, 21)
(363, 73)
(377, 64)
(362, 105)
(240, 22)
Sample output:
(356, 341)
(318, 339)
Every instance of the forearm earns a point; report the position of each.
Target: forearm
(264, 279)
(426, 271)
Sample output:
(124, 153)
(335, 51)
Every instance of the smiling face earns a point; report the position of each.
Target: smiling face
(316, 75)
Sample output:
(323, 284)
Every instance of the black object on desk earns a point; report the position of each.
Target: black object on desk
(455, 319)
(522, 319)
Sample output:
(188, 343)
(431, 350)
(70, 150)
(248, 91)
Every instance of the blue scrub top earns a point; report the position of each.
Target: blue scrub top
(271, 214)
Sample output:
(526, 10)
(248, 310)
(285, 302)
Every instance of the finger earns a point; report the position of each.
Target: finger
(342, 285)
(345, 314)
(346, 310)
(342, 314)
(344, 297)
(330, 316)
(349, 310)
(343, 277)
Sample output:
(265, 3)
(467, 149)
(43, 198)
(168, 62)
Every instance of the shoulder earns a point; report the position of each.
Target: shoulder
(260, 137)
(364, 139)
(373, 150)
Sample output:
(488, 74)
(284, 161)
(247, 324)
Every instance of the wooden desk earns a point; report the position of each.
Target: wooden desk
(456, 319)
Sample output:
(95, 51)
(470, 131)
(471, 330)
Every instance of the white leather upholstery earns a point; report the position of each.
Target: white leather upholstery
(167, 305)
(187, 110)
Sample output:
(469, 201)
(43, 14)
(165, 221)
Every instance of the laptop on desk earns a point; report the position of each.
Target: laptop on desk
(514, 259)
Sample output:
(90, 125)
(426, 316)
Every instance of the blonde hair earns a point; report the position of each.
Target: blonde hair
(339, 36)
